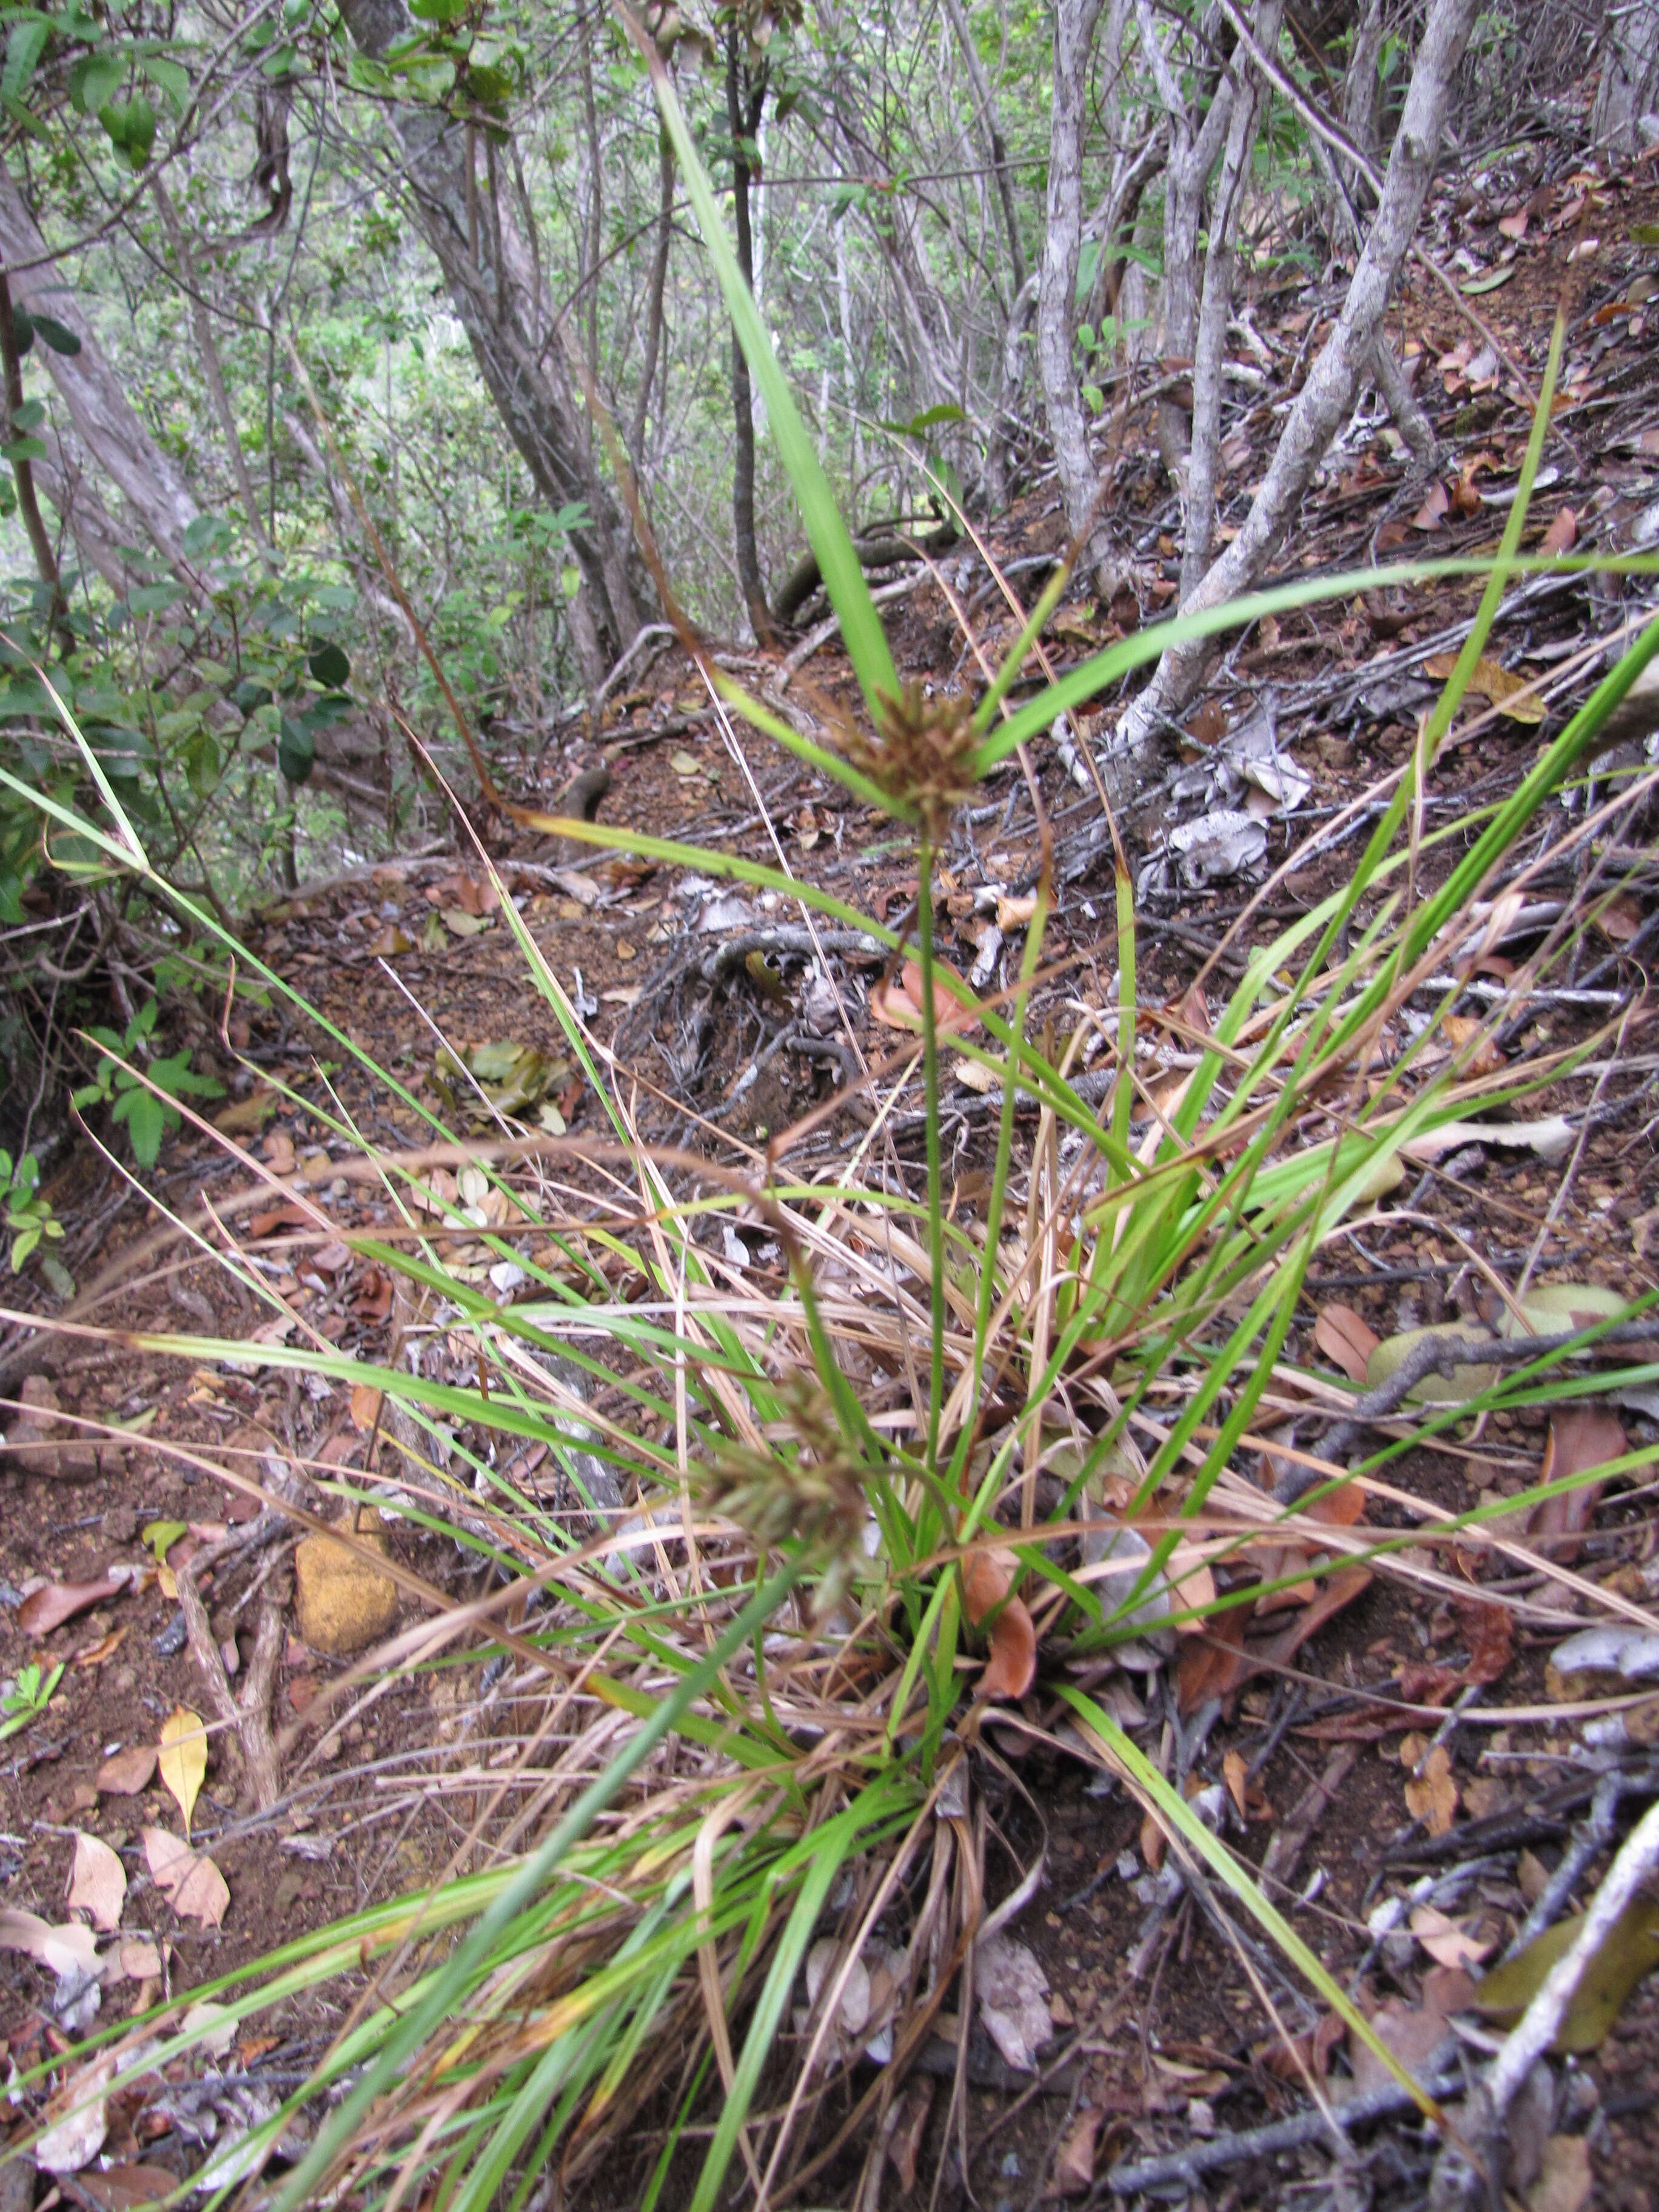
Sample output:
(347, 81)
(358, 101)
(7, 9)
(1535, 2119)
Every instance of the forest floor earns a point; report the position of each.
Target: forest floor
(1160, 2044)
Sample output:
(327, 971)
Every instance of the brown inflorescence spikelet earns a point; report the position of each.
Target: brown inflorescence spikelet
(921, 757)
(814, 1496)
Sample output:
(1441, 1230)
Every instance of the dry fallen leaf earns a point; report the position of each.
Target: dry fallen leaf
(1431, 1796)
(1236, 1774)
(897, 1002)
(1581, 1437)
(98, 1881)
(1446, 1941)
(1074, 2161)
(1347, 1340)
(365, 1406)
(125, 1773)
(183, 1758)
(53, 1603)
(76, 2140)
(1011, 1991)
(986, 1578)
(192, 1882)
(68, 1950)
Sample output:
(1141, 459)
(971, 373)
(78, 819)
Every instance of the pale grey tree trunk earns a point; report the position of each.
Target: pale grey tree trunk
(1327, 397)
(1209, 353)
(1056, 314)
(991, 127)
(497, 290)
(106, 425)
(1627, 113)
(1197, 136)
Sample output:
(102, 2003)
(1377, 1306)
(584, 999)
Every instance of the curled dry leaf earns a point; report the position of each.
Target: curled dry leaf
(1581, 1437)
(75, 2139)
(53, 1603)
(1011, 1991)
(1431, 1795)
(68, 1950)
(1446, 1941)
(897, 1001)
(98, 1881)
(824, 1962)
(183, 1758)
(125, 1773)
(192, 1882)
(988, 1577)
(1347, 1340)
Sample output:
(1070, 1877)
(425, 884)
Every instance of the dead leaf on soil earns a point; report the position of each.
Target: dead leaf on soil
(1074, 2161)
(76, 2140)
(1430, 1797)
(1446, 1941)
(53, 1603)
(1565, 2180)
(1630, 1949)
(98, 1881)
(125, 1773)
(191, 1882)
(1011, 1991)
(986, 1578)
(68, 1948)
(1562, 535)
(1346, 1338)
(1581, 1437)
(183, 1758)
(897, 1003)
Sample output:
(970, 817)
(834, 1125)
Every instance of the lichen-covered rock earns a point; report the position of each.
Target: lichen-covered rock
(344, 1602)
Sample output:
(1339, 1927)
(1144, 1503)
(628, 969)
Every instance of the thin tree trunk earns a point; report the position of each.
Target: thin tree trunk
(746, 96)
(992, 128)
(1226, 206)
(45, 560)
(1195, 143)
(1327, 397)
(201, 325)
(1627, 113)
(499, 295)
(105, 423)
(1056, 314)
(658, 283)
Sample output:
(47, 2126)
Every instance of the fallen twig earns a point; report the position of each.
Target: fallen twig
(1191, 2164)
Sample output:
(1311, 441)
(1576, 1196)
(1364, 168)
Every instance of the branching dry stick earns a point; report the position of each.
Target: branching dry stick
(1327, 396)
(1454, 2179)
(250, 1714)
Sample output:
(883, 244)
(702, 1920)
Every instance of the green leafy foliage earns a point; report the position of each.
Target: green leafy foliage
(143, 1102)
(23, 1699)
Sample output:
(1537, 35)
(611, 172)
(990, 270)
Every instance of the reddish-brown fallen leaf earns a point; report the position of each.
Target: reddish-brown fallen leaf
(1581, 1437)
(1431, 1795)
(897, 1001)
(53, 1603)
(125, 1773)
(1214, 1664)
(1434, 509)
(192, 1881)
(987, 1579)
(1489, 1631)
(1562, 535)
(1347, 1340)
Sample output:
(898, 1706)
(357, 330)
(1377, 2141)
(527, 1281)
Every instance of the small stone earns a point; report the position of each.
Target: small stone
(111, 1461)
(33, 1437)
(343, 1604)
(119, 1525)
(1336, 752)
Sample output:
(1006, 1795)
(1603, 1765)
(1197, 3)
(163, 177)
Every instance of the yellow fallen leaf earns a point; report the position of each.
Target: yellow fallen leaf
(1493, 682)
(183, 1758)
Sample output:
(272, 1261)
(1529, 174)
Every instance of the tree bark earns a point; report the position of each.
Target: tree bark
(654, 301)
(1196, 138)
(1627, 113)
(1327, 397)
(46, 559)
(1226, 206)
(992, 128)
(1056, 314)
(104, 420)
(497, 290)
(201, 325)
(745, 99)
